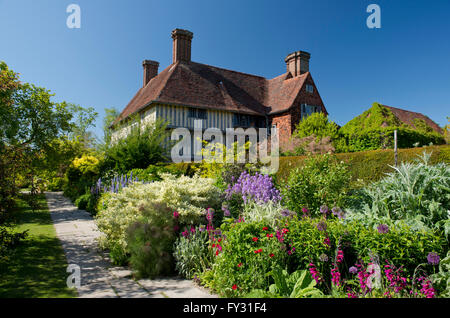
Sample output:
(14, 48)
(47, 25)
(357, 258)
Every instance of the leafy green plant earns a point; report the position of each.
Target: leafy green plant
(321, 180)
(192, 252)
(189, 196)
(416, 193)
(249, 252)
(441, 279)
(299, 284)
(271, 212)
(142, 146)
(150, 241)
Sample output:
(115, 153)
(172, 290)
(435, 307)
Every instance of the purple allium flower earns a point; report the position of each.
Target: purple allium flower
(336, 210)
(383, 228)
(225, 210)
(324, 257)
(433, 258)
(322, 226)
(324, 210)
(353, 270)
(286, 213)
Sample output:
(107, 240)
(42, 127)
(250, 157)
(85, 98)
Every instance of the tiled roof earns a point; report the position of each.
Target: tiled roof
(205, 86)
(408, 117)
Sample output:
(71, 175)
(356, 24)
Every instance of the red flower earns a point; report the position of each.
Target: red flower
(240, 264)
(214, 245)
(269, 235)
(217, 252)
(234, 287)
(271, 255)
(265, 228)
(258, 251)
(284, 231)
(255, 239)
(219, 240)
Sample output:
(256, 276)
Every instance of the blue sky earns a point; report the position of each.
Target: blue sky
(404, 64)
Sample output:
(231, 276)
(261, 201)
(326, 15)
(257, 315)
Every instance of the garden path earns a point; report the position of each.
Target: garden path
(78, 233)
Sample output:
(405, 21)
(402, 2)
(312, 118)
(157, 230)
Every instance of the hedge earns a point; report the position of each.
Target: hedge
(369, 165)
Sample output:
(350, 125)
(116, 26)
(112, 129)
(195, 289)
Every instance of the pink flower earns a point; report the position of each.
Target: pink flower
(176, 214)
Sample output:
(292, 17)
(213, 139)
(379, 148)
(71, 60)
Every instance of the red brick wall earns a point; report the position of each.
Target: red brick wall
(283, 123)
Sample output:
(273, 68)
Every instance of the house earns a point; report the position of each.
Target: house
(411, 119)
(187, 91)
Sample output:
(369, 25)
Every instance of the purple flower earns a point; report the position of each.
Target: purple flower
(335, 211)
(201, 228)
(225, 210)
(286, 213)
(353, 270)
(324, 210)
(257, 188)
(322, 226)
(383, 228)
(433, 258)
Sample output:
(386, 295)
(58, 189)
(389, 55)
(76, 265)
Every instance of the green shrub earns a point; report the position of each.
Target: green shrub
(56, 184)
(368, 166)
(321, 180)
(270, 213)
(189, 196)
(193, 253)
(82, 201)
(244, 262)
(400, 245)
(150, 241)
(416, 193)
(141, 148)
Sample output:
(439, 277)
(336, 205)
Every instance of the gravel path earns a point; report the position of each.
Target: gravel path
(78, 232)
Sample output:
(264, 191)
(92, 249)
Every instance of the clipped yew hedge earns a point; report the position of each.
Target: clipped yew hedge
(369, 165)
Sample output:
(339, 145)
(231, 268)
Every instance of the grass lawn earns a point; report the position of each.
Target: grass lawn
(37, 266)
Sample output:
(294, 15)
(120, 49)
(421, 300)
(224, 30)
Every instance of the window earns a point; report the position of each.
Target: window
(309, 88)
(197, 113)
(309, 109)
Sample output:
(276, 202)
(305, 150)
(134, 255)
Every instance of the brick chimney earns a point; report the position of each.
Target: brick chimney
(182, 40)
(150, 70)
(297, 63)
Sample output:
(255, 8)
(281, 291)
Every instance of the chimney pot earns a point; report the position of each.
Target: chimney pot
(150, 70)
(297, 63)
(182, 40)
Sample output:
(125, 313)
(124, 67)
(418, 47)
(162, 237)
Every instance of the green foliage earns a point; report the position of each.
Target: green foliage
(8, 240)
(400, 244)
(80, 175)
(142, 147)
(321, 180)
(441, 279)
(382, 138)
(316, 124)
(269, 213)
(299, 284)
(374, 129)
(87, 202)
(368, 166)
(421, 125)
(193, 254)
(244, 262)
(375, 117)
(189, 196)
(416, 193)
(150, 241)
